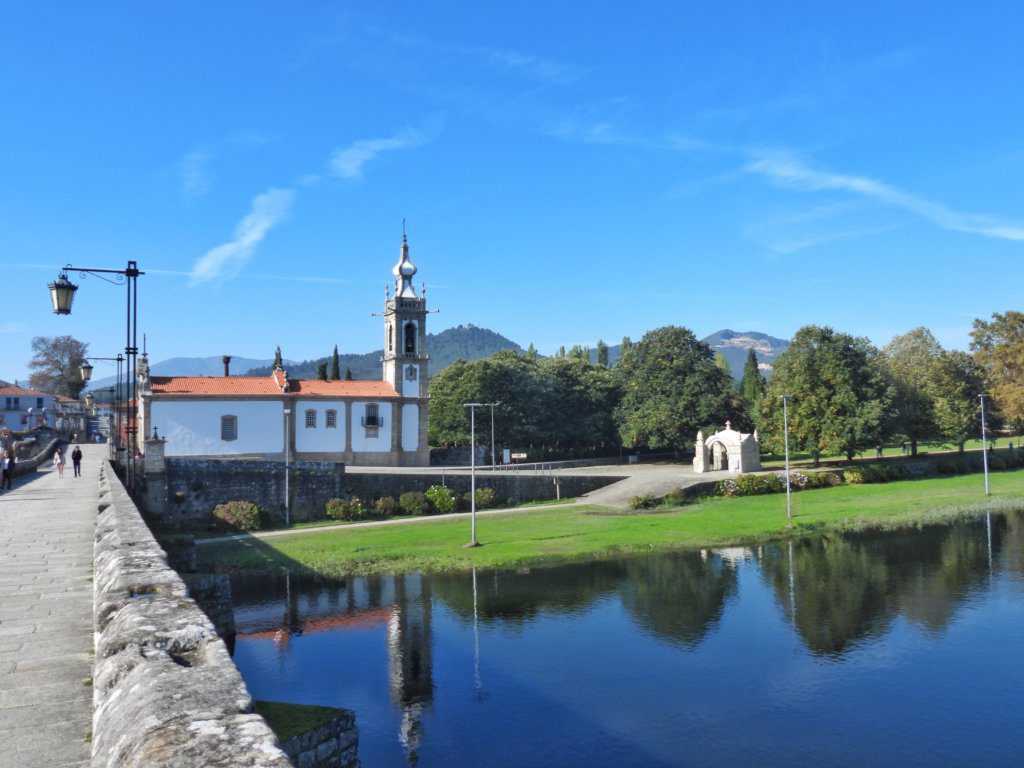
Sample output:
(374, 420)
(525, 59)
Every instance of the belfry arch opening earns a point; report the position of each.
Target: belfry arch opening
(410, 338)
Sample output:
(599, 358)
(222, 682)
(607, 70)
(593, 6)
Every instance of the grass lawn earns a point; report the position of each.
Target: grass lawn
(576, 533)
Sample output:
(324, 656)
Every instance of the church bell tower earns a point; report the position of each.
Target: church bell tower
(405, 331)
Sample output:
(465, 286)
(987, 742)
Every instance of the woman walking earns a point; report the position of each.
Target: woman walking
(58, 462)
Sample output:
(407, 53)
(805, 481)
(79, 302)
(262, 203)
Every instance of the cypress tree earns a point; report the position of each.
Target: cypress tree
(335, 371)
(752, 385)
(321, 371)
(348, 373)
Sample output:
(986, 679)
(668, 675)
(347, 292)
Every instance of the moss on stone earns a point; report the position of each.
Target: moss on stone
(291, 720)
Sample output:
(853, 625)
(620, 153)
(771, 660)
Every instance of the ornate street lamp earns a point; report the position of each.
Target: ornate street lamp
(86, 371)
(62, 294)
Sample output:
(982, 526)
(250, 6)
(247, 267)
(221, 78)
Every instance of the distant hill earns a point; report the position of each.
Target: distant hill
(188, 366)
(464, 342)
(734, 345)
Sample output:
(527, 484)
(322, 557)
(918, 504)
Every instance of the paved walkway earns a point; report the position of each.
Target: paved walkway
(47, 525)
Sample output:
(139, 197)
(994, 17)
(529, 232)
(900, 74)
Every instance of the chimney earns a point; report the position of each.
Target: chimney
(226, 359)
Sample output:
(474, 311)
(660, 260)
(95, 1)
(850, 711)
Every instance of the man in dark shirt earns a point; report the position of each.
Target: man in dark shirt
(76, 460)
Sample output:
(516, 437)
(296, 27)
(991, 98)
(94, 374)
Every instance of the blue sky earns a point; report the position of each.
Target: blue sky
(569, 172)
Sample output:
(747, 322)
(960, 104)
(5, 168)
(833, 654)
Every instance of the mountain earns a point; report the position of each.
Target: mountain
(188, 366)
(734, 345)
(464, 342)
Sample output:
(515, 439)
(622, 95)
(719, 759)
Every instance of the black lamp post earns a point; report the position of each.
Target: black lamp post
(62, 294)
(86, 370)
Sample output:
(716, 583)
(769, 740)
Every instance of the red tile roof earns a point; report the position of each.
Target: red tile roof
(250, 385)
(10, 389)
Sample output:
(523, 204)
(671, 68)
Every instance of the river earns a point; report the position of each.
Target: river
(879, 649)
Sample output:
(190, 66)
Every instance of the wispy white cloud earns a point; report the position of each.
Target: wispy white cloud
(194, 173)
(531, 66)
(268, 210)
(348, 162)
(787, 171)
(14, 327)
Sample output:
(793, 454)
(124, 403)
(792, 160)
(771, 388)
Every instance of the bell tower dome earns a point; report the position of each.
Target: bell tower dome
(405, 330)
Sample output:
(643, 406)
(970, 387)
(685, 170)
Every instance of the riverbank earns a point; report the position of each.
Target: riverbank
(542, 537)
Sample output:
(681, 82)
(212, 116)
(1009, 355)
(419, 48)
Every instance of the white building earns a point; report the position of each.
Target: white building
(360, 423)
(22, 408)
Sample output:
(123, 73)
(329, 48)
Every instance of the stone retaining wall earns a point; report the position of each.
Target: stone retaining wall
(332, 745)
(165, 691)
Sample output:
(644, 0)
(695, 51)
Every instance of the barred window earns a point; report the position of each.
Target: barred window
(332, 419)
(310, 419)
(228, 427)
(372, 419)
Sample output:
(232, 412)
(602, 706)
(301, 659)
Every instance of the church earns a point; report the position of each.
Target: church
(361, 423)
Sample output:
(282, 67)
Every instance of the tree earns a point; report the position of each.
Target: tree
(56, 365)
(321, 371)
(910, 362)
(957, 381)
(837, 396)
(998, 348)
(602, 353)
(531, 351)
(671, 389)
(348, 373)
(578, 406)
(722, 363)
(752, 387)
(335, 369)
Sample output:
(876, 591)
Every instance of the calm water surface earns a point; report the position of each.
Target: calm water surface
(895, 649)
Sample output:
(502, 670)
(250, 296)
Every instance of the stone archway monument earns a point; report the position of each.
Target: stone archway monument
(727, 451)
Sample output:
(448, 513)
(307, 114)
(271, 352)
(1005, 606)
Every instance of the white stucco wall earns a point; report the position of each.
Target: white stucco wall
(410, 427)
(360, 442)
(319, 438)
(410, 388)
(193, 428)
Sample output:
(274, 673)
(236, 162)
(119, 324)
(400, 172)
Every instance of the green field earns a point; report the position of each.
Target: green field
(577, 533)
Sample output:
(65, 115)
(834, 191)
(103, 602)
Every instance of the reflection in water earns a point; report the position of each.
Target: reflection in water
(560, 646)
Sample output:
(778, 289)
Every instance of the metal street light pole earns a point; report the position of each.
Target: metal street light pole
(785, 429)
(984, 447)
(493, 460)
(62, 294)
(287, 465)
(472, 472)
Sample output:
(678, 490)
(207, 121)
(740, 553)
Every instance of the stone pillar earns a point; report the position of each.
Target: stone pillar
(154, 469)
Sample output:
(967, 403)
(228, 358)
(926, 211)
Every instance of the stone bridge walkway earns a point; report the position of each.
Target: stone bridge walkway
(47, 527)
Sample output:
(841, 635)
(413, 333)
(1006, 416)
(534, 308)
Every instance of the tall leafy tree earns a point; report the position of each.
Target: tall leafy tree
(998, 346)
(580, 400)
(957, 381)
(321, 371)
(752, 387)
(838, 399)
(671, 389)
(335, 365)
(602, 353)
(910, 362)
(56, 365)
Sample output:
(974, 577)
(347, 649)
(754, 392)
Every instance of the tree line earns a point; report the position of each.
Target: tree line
(843, 394)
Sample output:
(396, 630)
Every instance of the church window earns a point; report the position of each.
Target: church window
(332, 419)
(372, 418)
(310, 419)
(410, 339)
(228, 427)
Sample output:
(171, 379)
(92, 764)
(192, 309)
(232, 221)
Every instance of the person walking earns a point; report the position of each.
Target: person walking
(76, 460)
(7, 466)
(58, 462)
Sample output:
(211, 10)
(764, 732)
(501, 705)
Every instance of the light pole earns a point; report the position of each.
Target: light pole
(287, 465)
(472, 471)
(984, 447)
(86, 371)
(492, 433)
(785, 430)
(62, 294)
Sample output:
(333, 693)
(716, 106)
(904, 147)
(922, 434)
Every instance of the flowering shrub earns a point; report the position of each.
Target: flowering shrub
(385, 507)
(412, 503)
(756, 484)
(441, 499)
(875, 473)
(485, 498)
(345, 509)
(236, 516)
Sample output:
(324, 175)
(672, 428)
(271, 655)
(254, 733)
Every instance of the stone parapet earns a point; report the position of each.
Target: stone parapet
(165, 691)
(332, 745)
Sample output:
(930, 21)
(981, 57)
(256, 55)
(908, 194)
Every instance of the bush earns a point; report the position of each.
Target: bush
(345, 509)
(676, 498)
(441, 499)
(236, 516)
(385, 507)
(647, 501)
(412, 503)
(486, 498)
(876, 473)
